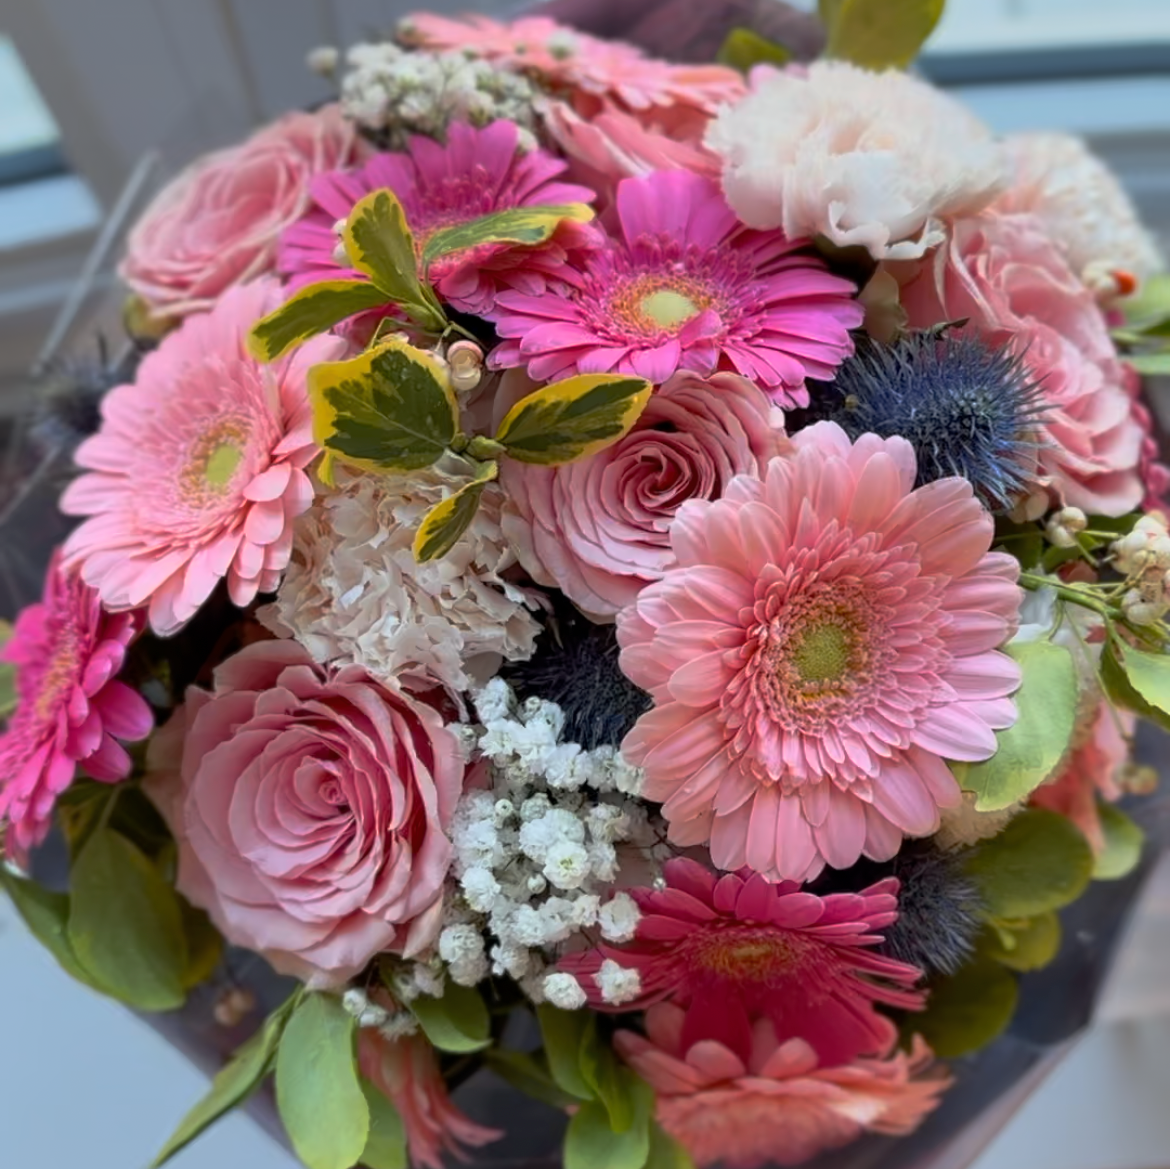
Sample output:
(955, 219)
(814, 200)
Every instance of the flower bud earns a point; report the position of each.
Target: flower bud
(465, 359)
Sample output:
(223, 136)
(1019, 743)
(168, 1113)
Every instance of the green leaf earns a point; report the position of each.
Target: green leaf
(457, 1022)
(591, 1143)
(1150, 306)
(529, 1075)
(232, 1085)
(204, 945)
(1147, 673)
(877, 34)
(446, 522)
(574, 418)
(46, 914)
(968, 1010)
(391, 409)
(7, 676)
(666, 1152)
(564, 1033)
(1038, 863)
(1120, 691)
(1026, 945)
(386, 1143)
(606, 1077)
(320, 1099)
(525, 226)
(309, 311)
(745, 48)
(1150, 364)
(1030, 750)
(126, 924)
(1123, 844)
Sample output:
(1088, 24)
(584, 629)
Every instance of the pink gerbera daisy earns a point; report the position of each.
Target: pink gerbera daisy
(733, 948)
(778, 1105)
(686, 286)
(70, 708)
(476, 173)
(199, 467)
(829, 638)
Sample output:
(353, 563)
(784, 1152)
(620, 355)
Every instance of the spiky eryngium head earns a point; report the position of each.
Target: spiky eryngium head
(968, 408)
(576, 666)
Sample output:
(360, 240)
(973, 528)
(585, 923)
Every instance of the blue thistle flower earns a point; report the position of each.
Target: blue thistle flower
(968, 408)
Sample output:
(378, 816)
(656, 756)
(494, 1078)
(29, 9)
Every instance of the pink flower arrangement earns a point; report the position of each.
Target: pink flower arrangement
(599, 529)
(198, 469)
(1007, 277)
(828, 639)
(218, 223)
(778, 1106)
(71, 708)
(476, 173)
(310, 809)
(733, 948)
(684, 286)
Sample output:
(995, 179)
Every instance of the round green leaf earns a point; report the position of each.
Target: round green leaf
(967, 1011)
(528, 1074)
(458, 1021)
(46, 914)
(1120, 688)
(591, 1143)
(386, 1144)
(666, 1152)
(320, 1099)
(877, 34)
(1147, 673)
(1038, 863)
(1030, 750)
(1026, 945)
(564, 1034)
(606, 1077)
(744, 48)
(126, 924)
(1123, 844)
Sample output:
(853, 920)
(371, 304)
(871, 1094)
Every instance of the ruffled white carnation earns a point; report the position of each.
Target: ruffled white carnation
(354, 592)
(1082, 205)
(878, 160)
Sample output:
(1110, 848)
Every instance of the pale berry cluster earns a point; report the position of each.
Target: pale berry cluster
(1143, 555)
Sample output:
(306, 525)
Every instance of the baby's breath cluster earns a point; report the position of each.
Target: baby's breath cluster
(539, 848)
(393, 92)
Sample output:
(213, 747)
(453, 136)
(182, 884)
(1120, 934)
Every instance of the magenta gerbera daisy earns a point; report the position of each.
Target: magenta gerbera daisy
(829, 638)
(733, 948)
(477, 172)
(686, 286)
(70, 707)
(199, 467)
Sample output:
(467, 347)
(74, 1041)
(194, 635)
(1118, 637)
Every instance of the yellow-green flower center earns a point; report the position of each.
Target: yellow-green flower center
(667, 308)
(221, 464)
(822, 653)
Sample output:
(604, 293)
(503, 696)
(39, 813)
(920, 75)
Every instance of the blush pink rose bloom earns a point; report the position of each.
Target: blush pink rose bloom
(1005, 274)
(217, 223)
(599, 529)
(310, 808)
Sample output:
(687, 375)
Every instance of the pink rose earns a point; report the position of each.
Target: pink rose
(309, 807)
(217, 223)
(599, 529)
(1005, 274)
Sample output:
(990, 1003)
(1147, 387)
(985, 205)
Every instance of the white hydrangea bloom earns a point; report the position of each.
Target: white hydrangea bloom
(619, 918)
(617, 984)
(879, 160)
(564, 991)
(354, 592)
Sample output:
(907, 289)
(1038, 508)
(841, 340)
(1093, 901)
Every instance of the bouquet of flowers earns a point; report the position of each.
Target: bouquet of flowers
(672, 553)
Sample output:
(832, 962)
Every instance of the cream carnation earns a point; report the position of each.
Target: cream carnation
(354, 592)
(871, 159)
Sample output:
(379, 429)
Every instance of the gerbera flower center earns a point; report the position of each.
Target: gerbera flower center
(668, 308)
(60, 672)
(213, 460)
(822, 653)
(751, 954)
(651, 304)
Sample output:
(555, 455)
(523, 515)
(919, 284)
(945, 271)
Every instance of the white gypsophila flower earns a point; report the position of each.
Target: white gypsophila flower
(1083, 207)
(399, 1026)
(879, 160)
(511, 960)
(558, 825)
(585, 910)
(494, 701)
(373, 1017)
(564, 991)
(462, 948)
(603, 861)
(617, 984)
(480, 888)
(354, 592)
(355, 1000)
(566, 864)
(619, 918)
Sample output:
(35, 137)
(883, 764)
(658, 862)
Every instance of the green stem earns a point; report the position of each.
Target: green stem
(1035, 581)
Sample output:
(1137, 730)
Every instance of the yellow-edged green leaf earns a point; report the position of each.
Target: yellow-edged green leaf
(1030, 750)
(1038, 863)
(451, 517)
(46, 914)
(524, 226)
(877, 34)
(232, 1085)
(391, 409)
(1123, 844)
(318, 1093)
(458, 1021)
(126, 924)
(529, 1075)
(1026, 945)
(968, 1010)
(591, 1143)
(386, 1142)
(745, 48)
(564, 1033)
(573, 419)
(309, 311)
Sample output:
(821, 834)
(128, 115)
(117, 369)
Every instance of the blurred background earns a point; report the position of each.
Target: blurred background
(100, 100)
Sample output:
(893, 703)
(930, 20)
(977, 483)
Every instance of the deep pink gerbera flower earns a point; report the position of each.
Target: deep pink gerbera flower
(70, 708)
(732, 948)
(829, 638)
(686, 286)
(476, 173)
(778, 1105)
(199, 467)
